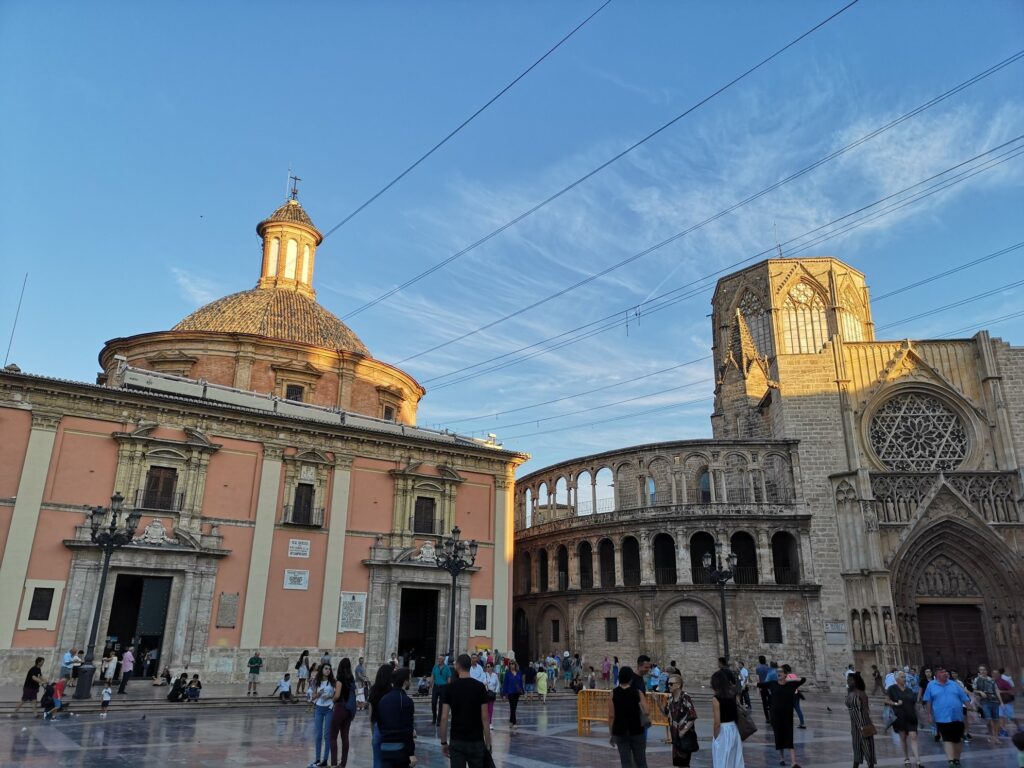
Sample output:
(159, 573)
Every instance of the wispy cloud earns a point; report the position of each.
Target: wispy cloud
(194, 288)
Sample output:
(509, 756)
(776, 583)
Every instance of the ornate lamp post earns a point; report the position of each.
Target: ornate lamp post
(721, 576)
(455, 557)
(108, 538)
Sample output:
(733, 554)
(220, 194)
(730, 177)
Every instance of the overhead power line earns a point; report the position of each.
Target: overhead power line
(982, 324)
(672, 297)
(595, 171)
(726, 211)
(464, 123)
(954, 305)
(581, 394)
(948, 272)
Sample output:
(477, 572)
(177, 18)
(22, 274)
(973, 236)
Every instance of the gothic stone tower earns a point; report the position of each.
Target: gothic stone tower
(910, 453)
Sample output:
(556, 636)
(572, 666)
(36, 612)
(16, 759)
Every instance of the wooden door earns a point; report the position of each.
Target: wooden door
(953, 636)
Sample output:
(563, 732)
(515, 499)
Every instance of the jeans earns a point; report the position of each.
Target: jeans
(378, 761)
(126, 675)
(321, 731)
(436, 699)
(513, 704)
(469, 754)
(632, 751)
(745, 697)
(799, 712)
(341, 721)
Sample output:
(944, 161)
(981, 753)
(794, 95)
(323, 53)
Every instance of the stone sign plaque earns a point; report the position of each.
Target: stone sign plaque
(352, 616)
(835, 626)
(298, 548)
(296, 579)
(227, 610)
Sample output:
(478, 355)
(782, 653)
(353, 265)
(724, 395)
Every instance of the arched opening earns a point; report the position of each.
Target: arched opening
(528, 515)
(630, 562)
(785, 558)
(778, 483)
(542, 495)
(562, 567)
(737, 484)
(652, 492)
(745, 549)
(700, 543)
(664, 559)
(542, 570)
(527, 575)
(605, 489)
(584, 493)
(606, 557)
(521, 635)
(702, 489)
(586, 565)
(561, 492)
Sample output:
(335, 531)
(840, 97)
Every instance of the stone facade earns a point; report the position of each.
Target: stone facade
(909, 481)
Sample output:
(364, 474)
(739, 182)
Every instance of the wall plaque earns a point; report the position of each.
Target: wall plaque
(352, 616)
(227, 610)
(296, 579)
(298, 548)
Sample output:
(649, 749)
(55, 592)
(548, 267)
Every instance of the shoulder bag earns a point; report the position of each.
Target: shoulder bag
(744, 723)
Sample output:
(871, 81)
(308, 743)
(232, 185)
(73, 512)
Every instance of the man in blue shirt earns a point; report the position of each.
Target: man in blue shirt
(762, 670)
(946, 699)
(440, 676)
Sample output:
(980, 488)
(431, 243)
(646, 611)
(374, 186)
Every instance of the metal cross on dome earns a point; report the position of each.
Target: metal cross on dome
(295, 186)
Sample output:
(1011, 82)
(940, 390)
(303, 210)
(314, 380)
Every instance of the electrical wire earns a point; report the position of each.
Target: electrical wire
(948, 272)
(982, 324)
(669, 298)
(594, 172)
(463, 124)
(954, 305)
(699, 225)
(581, 394)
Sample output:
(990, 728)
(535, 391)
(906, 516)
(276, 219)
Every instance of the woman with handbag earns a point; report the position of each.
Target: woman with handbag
(682, 716)
(492, 685)
(862, 730)
(903, 701)
(727, 746)
(627, 715)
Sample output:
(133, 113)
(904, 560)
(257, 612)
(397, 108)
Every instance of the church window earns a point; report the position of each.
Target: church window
(704, 487)
(302, 512)
(305, 264)
(611, 629)
(423, 520)
(758, 322)
(688, 631)
(916, 432)
(294, 392)
(556, 635)
(804, 323)
(290, 259)
(389, 412)
(772, 628)
(42, 602)
(850, 326)
(275, 251)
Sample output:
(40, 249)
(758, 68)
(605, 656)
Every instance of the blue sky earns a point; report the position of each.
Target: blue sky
(142, 143)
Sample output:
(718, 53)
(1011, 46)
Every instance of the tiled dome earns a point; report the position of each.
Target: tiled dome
(290, 211)
(277, 314)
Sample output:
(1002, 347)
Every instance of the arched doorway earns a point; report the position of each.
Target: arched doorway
(562, 566)
(785, 558)
(606, 554)
(745, 549)
(586, 565)
(664, 559)
(699, 544)
(958, 593)
(630, 562)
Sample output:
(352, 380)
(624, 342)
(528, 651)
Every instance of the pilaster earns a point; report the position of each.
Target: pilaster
(335, 559)
(262, 542)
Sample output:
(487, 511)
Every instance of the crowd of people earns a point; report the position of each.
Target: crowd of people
(463, 692)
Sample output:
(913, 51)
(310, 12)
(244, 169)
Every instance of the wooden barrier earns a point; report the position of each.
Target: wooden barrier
(592, 707)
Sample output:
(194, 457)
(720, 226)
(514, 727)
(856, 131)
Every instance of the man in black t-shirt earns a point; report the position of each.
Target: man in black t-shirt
(30, 689)
(530, 681)
(465, 702)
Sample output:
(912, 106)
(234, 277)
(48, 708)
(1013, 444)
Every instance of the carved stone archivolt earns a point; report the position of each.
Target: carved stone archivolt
(945, 578)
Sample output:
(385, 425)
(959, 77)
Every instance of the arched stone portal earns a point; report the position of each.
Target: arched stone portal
(958, 592)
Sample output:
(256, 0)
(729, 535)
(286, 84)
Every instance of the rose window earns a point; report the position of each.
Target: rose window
(915, 432)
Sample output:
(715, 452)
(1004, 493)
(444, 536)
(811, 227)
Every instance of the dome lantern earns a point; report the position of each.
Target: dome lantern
(289, 248)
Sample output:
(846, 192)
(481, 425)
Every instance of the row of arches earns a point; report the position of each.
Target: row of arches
(628, 564)
(736, 477)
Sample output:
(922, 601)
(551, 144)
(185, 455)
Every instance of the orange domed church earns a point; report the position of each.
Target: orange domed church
(286, 498)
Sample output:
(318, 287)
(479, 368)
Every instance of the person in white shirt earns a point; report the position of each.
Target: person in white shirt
(105, 705)
(744, 674)
(491, 684)
(476, 671)
(890, 679)
(284, 688)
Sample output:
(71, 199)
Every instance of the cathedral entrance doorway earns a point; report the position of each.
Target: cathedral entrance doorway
(417, 629)
(138, 613)
(952, 636)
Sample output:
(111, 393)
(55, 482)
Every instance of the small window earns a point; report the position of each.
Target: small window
(611, 630)
(688, 629)
(772, 628)
(555, 632)
(480, 618)
(389, 412)
(42, 602)
(294, 392)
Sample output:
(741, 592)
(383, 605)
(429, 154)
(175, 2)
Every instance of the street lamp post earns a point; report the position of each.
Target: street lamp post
(455, 557)
(721, 576)
(108, 539)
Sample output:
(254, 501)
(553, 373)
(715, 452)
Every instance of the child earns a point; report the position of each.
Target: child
(542, 687)
(591, 680)
(107, 693)
(284, 688)
(360, 697)
(194, 687)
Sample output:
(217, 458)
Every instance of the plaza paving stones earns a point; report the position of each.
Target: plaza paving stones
(185, 735)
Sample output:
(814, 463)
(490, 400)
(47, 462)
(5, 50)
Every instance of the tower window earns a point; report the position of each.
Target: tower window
(294, 392)
(804, 323)
(389, 412)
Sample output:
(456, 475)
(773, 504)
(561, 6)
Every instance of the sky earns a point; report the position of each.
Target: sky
(141, 144)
